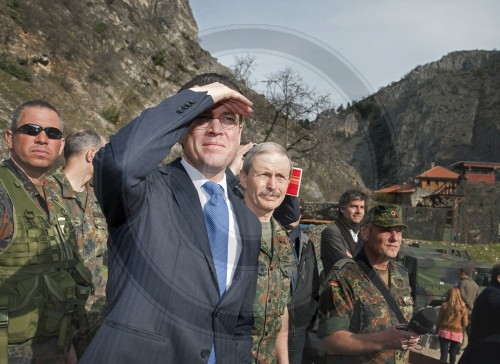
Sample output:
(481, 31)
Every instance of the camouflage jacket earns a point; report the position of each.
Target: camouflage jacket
(91, 234)
(276, 264)
(350, 301)
(48, 351)
(6, 216)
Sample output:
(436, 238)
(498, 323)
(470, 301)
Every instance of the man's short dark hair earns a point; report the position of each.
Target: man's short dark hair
(81, 140)
(465, 271)
(207, 79)
(352, 195)
(32, 103)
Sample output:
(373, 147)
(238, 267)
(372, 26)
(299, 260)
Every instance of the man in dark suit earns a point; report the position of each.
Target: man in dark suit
(165, 301)
(302, 308)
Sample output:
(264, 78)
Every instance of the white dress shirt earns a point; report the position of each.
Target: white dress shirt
(234, 240)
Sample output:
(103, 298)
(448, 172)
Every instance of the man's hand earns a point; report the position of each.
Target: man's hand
(348, 343)
(237, 162)
(233, 100)
(398, 339)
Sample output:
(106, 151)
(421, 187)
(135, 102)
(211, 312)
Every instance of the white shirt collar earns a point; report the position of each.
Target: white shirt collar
(199, 178)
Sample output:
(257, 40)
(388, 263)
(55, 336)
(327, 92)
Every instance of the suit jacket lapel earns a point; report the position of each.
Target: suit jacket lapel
(189, 204)
(187, 199)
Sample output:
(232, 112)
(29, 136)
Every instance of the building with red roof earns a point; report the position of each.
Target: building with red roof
(477, 172)
(438, 178)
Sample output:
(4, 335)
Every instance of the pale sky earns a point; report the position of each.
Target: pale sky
(349, 48)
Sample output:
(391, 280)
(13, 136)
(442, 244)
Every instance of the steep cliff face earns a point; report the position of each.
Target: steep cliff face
(99, 61)
(442, 112)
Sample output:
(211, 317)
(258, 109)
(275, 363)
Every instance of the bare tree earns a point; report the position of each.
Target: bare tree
(294, 102)
(243, 69)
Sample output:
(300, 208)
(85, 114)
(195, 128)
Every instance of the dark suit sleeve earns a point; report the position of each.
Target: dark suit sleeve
(332, 247)
(122, 167)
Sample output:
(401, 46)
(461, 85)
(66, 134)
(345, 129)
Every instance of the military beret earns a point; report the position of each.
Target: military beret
(385, 216)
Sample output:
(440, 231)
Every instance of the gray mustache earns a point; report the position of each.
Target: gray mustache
(270, 193)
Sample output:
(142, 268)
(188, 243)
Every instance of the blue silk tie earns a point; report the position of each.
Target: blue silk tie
(216, 216)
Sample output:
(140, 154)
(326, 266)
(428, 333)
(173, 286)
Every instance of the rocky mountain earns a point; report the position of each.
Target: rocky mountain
(443, 112)
(101, 62)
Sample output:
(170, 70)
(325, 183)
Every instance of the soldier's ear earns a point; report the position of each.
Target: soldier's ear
(61, 147)
(89, 155)
(8, 138)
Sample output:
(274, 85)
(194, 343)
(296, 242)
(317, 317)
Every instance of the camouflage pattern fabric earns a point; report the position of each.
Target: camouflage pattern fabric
(91, 232)
(6, 216)
(349, 301)
(385, 216)
(276, 264)
(28, 352)
(36, 353)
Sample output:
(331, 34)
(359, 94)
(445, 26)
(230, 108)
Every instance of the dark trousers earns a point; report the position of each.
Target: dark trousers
(448, 346)
(296, 343)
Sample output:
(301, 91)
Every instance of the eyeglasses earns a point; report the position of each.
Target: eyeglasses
(228, 121)
(34, 130)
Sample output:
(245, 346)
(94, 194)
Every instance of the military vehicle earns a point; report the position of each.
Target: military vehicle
(432, 273)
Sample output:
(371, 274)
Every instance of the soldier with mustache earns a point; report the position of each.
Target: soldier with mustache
(265, 176)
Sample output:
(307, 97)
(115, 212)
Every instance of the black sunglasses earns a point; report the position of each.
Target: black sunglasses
(34, 130)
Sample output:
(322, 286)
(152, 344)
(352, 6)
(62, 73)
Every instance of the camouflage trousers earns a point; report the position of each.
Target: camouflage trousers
(88, 326)
(36, 353)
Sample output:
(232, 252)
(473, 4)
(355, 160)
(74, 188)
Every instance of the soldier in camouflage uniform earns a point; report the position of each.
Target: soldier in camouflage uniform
(265, 176)
(356, 323)
(73, 183)
(43, 283)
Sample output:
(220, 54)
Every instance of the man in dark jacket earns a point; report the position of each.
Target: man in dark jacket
(341, 240)
(484, 339)
(469, 290)
(305, 279)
